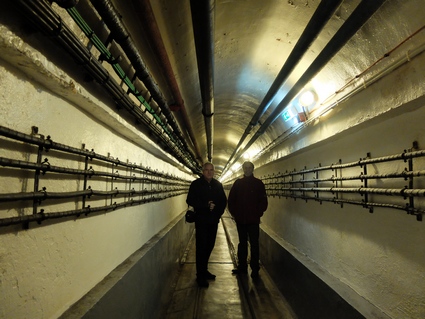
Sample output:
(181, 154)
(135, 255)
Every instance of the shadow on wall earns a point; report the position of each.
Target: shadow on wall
(135, 289)
(308, 295)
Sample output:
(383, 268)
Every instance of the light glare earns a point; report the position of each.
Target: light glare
(307, 98)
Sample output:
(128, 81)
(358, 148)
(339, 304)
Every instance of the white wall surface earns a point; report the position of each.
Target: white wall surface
(375, 261)
(47, 268)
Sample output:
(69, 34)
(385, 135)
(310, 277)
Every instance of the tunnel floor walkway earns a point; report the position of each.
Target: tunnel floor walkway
(228, 296)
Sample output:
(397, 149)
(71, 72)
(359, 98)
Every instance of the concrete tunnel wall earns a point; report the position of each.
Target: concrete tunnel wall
(373, 260)
(47, 268)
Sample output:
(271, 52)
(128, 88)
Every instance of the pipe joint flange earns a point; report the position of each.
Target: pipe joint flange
(44, 191)
(47, 143)
(45, 166)
(207, 115)
(59, 29)
(91, 192)
(111, 60)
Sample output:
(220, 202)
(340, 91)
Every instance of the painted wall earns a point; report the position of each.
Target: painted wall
(47, 268)
(374, 261)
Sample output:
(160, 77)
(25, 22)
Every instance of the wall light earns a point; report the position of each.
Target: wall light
(308, 98)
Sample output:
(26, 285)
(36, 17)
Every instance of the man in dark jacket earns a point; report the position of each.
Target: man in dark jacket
(206, 195)
(247, 203)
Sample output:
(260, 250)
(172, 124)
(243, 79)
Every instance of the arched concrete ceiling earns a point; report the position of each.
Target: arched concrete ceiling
(252, 41)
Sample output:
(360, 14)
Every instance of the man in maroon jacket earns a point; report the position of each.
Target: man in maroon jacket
(247, 202)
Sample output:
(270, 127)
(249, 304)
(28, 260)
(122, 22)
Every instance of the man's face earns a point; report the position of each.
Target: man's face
(248, 169)
(208, 172)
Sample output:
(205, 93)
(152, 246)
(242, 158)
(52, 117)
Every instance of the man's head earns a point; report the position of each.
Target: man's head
(248, 168)
(208, 171)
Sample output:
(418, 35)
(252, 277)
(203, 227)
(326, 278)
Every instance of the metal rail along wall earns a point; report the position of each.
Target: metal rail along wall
(394, 181)
(68, 181)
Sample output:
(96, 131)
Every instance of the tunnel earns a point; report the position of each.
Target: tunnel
(110, 110)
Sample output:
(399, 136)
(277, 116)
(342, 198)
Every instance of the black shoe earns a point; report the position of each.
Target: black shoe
(239, 271)
(209, 276)
(202, 282)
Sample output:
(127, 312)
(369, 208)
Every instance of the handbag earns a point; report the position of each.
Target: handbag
(190, 216)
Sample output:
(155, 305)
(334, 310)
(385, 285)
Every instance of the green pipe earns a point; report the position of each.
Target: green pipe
(120, 72)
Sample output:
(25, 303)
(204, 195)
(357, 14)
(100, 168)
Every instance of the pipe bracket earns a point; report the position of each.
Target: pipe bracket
(207, 115)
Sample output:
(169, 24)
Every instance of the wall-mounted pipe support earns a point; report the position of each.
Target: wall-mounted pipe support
(121, 35)
(50, 23)
(359, 189)
(127, 189)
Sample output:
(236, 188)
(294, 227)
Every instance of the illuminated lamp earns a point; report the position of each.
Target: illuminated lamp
(307, 99)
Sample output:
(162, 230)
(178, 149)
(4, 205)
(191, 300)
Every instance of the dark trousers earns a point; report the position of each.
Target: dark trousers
(249, 232)
(205, 241)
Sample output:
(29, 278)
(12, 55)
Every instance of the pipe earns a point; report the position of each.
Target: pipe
(121, 35)
(176, 140)
(354, 22)
(46, 167)
(416, 192)
(42, 15)
(203, 29)
(404, 174)
(410, 210)
(44, 195)
(320, 17)
(143, 9)
(41, 216)
(49, 144)
(365, 161)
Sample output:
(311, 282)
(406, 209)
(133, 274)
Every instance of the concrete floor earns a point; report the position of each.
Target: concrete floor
(229, 296)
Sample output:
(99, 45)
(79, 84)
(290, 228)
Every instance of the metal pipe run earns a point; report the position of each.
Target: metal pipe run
(48, 144)
(121, 35)
(176, 137)
(42, 216)
(354, 22)
(45, 167)
(203, 29)
(334, 180)
(405, 175)
(401, 156)
(42, 15)
(44, 194)
(320, 17)
(370, 205)
(143, 9)
(143, 182)
(404, 192)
